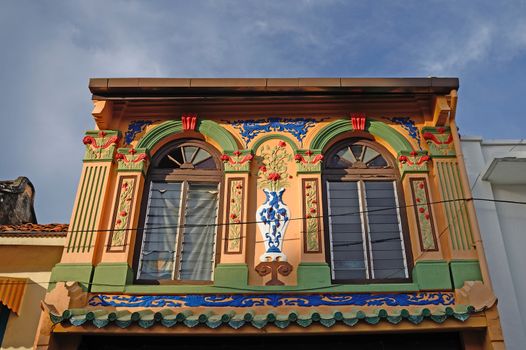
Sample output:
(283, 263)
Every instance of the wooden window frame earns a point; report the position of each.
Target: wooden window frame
(360, 176)
(185, 177)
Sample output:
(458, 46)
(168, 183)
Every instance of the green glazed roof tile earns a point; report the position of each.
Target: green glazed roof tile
(147, 318)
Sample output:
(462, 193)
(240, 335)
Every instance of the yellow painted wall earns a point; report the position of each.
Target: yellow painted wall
(34, 263)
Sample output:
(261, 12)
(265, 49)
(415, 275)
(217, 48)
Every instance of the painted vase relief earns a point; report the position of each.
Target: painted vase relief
(273, 215)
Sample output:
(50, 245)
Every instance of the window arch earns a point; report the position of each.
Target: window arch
(366, 219)
(179, 216)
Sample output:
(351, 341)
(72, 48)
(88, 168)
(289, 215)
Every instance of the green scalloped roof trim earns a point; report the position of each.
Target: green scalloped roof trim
(146, 318)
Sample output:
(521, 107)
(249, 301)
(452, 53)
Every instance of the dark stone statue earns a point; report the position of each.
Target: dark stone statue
(16, 202)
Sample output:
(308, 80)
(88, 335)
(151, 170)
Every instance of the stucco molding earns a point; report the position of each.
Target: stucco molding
(377, 128)
(206, 127)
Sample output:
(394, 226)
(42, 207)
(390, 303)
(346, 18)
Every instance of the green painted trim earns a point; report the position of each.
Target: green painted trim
(377, 128)
(206, 127)
(101, 154)
(231, 275)
(308, 168)
(160, 132)
(127, 161)
(167, 317)
(313, 275)
(442, 150)
(97, 214)
(267, 137)
(73, 236)
(464, 270)
(413, 157)
(111, 277)
(237, 167)
(389, 134)
(327, 133)
(217, 133)
(78, 272)
(215, 289)
(432, 275)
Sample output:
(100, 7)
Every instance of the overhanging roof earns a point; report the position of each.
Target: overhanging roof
(187, 87)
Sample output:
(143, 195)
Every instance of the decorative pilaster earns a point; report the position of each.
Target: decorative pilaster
(311, 216)
(132, 165)
(423, 214)
(439, 141)
(458, 224)
(91, 193)
(237, 161)
(308, 161)
(100, 145)
(121, 215)
(235, 213)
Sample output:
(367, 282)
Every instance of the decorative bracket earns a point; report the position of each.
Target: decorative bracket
(441, 111)
(237, 161)
(102, 112)
(100, 145)
(358, 121)
(274, 268)
(189, 121)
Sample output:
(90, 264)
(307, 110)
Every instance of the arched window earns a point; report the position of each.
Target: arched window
(365, 219)
(180, 215)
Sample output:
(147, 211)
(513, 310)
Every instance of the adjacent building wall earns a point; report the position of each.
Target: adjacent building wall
(31, 258)
(497, 171)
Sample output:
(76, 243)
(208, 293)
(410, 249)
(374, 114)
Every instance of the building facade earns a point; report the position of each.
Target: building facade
(27, 254)
(496, 174)
(272, 206)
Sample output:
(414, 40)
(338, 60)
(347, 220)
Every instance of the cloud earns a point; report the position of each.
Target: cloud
(56, 46)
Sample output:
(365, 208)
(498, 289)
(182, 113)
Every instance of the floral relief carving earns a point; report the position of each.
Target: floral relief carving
(238, 161)
(312, 217)
(308, 161)
(131, 159)
(122, 213)
(440, 141)
(100, 145)
(273, 215)
(235, 213)
(423, 214)
(414, 161)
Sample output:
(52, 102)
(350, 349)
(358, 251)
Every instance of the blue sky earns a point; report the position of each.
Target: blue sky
(51, 48)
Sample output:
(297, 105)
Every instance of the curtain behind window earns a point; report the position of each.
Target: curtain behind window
(197, 253)
(162, 227)
(159, 237)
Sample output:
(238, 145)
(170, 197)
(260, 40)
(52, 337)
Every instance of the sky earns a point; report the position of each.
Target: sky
(50, 49)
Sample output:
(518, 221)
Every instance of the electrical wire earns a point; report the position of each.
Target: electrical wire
(259, 290)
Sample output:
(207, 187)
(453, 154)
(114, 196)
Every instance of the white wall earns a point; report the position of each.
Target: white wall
(503, 230)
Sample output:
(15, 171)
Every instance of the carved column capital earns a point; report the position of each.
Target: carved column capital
(308, 161)
(440, 141)
(237, 161)
(131, 159)
(100, 145)
(413, 162)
